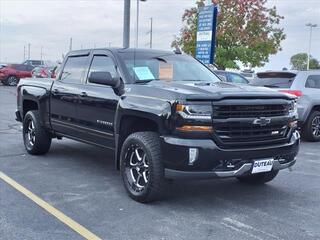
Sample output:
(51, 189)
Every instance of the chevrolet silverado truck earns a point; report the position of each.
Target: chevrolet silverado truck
(164, 115)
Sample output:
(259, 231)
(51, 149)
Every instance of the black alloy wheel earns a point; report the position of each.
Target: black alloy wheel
(141, 167)
(315, 125)
(137, 168)
(30, 135)
(37, 140)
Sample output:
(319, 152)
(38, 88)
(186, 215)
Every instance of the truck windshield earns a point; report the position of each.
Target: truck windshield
(145, 67)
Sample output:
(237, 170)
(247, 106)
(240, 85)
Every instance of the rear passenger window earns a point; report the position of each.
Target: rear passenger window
(74, 69)
(103, 64)
(313, 81)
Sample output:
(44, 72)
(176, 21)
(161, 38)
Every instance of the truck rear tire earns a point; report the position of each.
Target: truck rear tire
(141, 167)
(311, 130)
(37, 140)
(259, 178)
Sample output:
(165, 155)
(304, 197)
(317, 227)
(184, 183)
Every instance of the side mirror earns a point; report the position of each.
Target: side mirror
(105, 78)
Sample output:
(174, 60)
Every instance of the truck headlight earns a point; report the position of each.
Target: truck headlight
(293, 109)
(200, 112)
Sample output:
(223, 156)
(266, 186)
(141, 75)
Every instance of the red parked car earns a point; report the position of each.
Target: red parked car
(11, 74)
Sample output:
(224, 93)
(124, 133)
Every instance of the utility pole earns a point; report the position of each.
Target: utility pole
(70, 45)
(126, 23)
(310, 39)
(151, 31)
(24, 52)
(29, 46)
(137, 23)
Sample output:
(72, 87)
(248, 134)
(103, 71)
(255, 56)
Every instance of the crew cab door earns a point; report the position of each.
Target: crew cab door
(65, 94)
(98, 103)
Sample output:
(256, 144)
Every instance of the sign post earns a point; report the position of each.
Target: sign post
(206, 34)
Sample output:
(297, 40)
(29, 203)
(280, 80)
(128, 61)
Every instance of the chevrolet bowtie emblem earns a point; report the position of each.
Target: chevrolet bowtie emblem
(262, 121)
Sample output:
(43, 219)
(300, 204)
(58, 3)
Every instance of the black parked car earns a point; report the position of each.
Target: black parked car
(164, 115)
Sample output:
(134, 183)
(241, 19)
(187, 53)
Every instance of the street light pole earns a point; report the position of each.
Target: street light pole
(137, 24)
(310, 39)
(126, 23)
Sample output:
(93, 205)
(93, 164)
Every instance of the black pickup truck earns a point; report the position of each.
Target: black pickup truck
(164, 115)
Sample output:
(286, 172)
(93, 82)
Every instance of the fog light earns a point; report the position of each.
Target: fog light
(193, 155)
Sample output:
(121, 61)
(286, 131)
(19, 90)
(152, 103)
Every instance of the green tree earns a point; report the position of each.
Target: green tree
(247, 32)
(299, 62)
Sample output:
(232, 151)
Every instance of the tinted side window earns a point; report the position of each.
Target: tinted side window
(313, 81)
(20, 67)
(74, 69)
(222, 76)
(36, 63)
(30, 68)
(103, 64)
(237, 78)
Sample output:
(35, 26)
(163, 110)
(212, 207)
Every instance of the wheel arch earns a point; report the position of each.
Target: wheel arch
(29, 105)
(312, 109)
(315, 108)
(131, 123)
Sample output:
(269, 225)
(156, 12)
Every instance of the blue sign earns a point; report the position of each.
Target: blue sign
(206, 34)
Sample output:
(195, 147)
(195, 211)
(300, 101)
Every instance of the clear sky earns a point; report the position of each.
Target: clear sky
(97, 23)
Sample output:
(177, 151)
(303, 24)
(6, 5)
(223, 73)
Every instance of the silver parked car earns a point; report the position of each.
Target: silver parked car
(306, 86)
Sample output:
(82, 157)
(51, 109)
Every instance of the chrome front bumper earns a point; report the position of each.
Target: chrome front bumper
(244, 169)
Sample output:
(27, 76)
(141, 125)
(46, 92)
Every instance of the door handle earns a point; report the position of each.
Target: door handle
(84, 94)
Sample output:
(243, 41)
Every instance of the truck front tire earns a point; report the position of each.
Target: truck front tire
(311, 130)
(259, 178)
(37, 140)
(141, 167)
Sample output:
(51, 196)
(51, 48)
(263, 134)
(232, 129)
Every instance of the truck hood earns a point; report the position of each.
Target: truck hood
(209, 91)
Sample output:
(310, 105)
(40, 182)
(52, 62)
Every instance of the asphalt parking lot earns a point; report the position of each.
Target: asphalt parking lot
(80, 181)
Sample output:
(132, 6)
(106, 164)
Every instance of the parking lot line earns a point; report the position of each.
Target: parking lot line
(50, 209)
